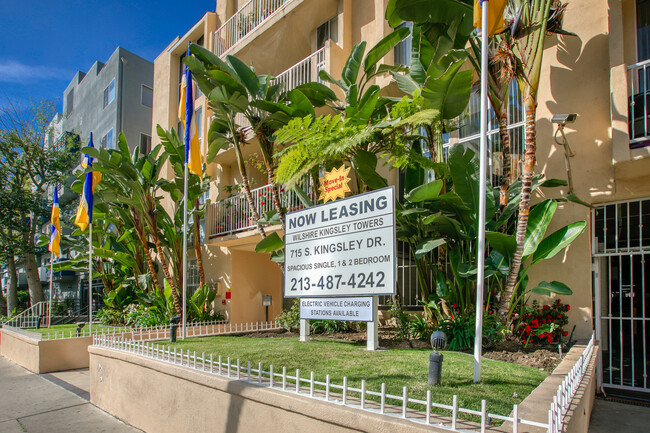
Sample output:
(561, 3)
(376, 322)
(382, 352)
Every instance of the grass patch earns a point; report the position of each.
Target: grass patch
(503, 384)
(71, 329)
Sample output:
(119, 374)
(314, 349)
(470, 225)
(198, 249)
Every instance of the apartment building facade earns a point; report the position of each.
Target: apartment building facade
(110, 98)
(600, 74)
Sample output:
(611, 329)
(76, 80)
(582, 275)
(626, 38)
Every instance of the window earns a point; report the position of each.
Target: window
(107, 140)
(145, 144)
(402, 51)
(109, 93)
(146, 96)
(643, 30)
(327, 30)
(193, 278)
(469, 133)
(69, 102)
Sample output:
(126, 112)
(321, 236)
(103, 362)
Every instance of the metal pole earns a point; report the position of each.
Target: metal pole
(480, 260)
(49, 314)
(90, 277)
(185, 244)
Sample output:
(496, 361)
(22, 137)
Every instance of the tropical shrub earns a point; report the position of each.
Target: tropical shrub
(290, 319)
(543, 324)
(110, 316)
(459, 331)
(330, 326)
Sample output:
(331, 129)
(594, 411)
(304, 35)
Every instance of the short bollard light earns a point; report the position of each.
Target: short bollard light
(174, 328)
(80, 325)
(39, 321)
(438, 341)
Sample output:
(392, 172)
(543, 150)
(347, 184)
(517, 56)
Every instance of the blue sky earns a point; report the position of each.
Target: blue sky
(44, 42)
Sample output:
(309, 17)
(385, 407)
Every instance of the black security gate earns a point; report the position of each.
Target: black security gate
(621, 250)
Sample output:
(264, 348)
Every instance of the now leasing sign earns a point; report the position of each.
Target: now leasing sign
(344, 248)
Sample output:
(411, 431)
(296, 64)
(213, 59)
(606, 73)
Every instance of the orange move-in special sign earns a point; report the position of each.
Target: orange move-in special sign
(334, 184)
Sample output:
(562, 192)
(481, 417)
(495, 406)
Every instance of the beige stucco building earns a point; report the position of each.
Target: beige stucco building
(599, 74)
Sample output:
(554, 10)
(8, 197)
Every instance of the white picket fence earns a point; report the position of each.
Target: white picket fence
(567, 390)
(350, 396)
(194, 329)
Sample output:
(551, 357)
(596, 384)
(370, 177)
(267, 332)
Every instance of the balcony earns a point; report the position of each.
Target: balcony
(305, 71)
(232, 215)
(639, 104)
(244, 21)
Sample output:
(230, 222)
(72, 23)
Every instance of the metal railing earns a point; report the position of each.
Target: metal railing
(567, 389)
(339, 393)
(233, 214)
(30, 317)
(305, 71)
(245, 20)
(638, 104)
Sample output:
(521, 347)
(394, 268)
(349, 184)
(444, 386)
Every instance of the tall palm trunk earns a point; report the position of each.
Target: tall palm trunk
(161, 256)
(241, 164)
(502, 117)
(530, 108)
(197, 244)
(140, 231)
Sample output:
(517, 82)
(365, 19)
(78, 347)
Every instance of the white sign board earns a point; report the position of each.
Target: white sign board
(357, 309)
(343, 248)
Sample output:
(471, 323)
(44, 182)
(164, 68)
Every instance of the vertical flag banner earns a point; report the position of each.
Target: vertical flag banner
(186, 115)
(496, 8)
(55, 234)
(85, 210)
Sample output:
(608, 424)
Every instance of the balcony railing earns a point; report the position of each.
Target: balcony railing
(305, 71)
(639, 104)
(245, 20)
(233, 214)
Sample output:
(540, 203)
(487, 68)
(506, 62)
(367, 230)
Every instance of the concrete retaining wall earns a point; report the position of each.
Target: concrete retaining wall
(44, 356)
(159, 397)
(577, 418)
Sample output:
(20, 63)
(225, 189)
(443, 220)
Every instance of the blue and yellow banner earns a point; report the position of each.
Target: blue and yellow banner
(186, 115)
(55, 234)
(92, 178)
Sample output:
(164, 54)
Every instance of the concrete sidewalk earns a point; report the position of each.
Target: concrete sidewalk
(609, 416)
(55, 402)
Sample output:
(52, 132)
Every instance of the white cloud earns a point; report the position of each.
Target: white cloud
(15, 72)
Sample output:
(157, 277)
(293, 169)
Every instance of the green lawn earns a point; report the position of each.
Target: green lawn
(72, 328)
(502, 386)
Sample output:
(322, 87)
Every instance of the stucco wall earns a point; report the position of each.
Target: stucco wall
(159, 397)
(43, 356)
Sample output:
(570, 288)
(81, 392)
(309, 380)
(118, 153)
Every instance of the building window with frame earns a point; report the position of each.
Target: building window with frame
(402, 51)
(109, 93)
(328, 30)
(145, 144)
(107, 140)
(468, 133)
(146, 96)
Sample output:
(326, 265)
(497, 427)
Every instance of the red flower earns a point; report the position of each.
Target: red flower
(546, 307)
(568, 307)
(453, 305)
(262, 202)
(565, 333)
(550, 339)
(559, 301)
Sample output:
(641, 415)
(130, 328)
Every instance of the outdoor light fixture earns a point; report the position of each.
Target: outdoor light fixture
(561, 120)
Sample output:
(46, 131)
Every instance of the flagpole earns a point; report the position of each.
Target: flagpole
(49, 314)
(185, 246)
(480, 260)
(90, 278)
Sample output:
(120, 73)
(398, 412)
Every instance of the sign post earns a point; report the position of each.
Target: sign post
(343, 249)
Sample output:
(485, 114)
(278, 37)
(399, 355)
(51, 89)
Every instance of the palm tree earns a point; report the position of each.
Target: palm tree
(532, 20)
(135, 182)
(234, 88)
